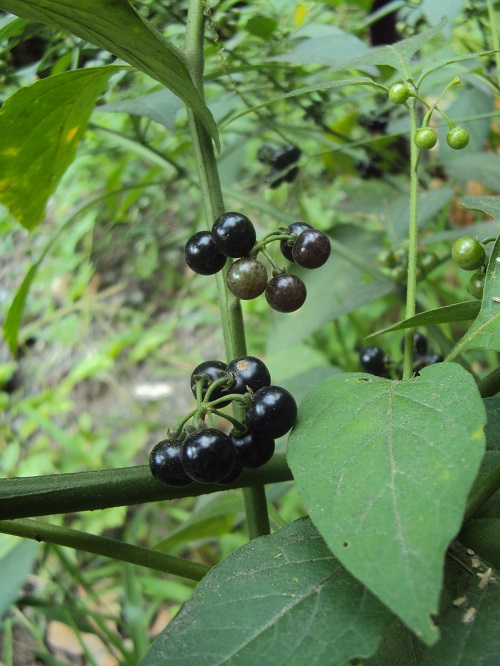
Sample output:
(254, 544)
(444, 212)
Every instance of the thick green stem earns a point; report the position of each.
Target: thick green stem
(87, 491)
(482, 491)
(99, 545)
(411, 287)
(494, 37)
(230, 308)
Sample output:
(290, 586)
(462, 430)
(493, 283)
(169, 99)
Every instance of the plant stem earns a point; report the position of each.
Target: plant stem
(230, 308)
(411, 287)
(87, 491)
(99, 545)
(494, 37)
(481, 492)
(490, 385)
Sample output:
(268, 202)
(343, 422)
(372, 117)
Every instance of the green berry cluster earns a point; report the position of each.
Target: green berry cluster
(197, 451)
(233, 235)
(375, 361)
(470, 255)
(397, 263)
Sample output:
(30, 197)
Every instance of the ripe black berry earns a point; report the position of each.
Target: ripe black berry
(272, 412)
(285, 292)
(368, 170)
(264, 154)
(284, 157)
(311, 249)
(166, 465)
(207, 455)
(276, 178)
(233, 234)
(202, 255)
(255, 450)
(248, 371)
(247, 278)
(286, 246)
(419, 344)
(235, 473)
(374, 361)
(211, 371)
(428, 359)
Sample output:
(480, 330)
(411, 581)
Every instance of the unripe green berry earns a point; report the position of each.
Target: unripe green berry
(476, 284)
(468, 253)
(398, 93)
(386, 258)
(425, 138)
(457, 138)
(398, 274)
(428, 261)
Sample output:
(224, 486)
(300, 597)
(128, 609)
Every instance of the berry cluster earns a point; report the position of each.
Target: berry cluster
(470, 255)
(197, 452)
(282, 163)
(369, 168)
(375, 361)
(233, 235)
(397, 263)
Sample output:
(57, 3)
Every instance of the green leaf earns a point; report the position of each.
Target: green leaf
(488, 205)
(484, 167)
(469, 631)
(40, 127)
(482, 535)
(161, 106)
(332, 49)
(213, 516)
(280, 600)
(449, 61)
(485, 331)
(116, 26)
(16, 565)
(447, 314)
(384, 469)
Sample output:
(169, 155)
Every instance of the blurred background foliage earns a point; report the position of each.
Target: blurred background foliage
(114, 322)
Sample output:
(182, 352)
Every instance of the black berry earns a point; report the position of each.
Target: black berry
(207, 455)
(235, 473)
(285, 292)
(286, 246)
(202, 255)
(255, 450)
(165, 464)
(311, 249)
(210, 371)
(419, 344)
(248, 371)
(284, 157)
(234, 234)
(272, 412)
(247, 278)
(374, 361)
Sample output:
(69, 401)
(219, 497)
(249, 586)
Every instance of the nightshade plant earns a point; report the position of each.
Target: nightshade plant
(397, 559)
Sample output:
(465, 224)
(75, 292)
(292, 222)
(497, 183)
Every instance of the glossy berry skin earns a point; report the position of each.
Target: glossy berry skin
(476, 284)
(235, 473)
(457, 138)
(386, 258)
(165, 464)
(468, 253)
(255, 450)
(276, 178)
(284, 157)
(247, 278)
(213, 370)
(419, 344)
(202, 255)
(311, 249)
(207, 455)
(248, 371)
(286, 293)
(398, 274)
(294, 228)
(428, 261)
(398, 93)
(425, 138)
(272, 412)
(234, 234)
(428, 359)
(374, 361)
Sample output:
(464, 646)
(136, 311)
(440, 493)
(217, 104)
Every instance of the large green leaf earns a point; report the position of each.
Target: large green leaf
(485, 330)
(488, 205)
(384, 469)
(280, 600)
(447, 314)
(161, 106)
(40, 127)
(116, 26)
(481, 166)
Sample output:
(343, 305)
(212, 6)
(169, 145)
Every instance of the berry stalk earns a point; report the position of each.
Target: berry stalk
(230, 308)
